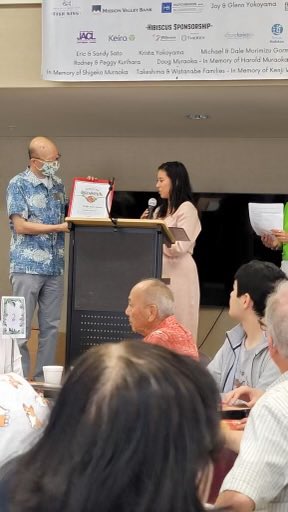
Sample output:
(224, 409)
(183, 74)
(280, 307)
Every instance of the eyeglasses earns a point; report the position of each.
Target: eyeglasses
(47, 161)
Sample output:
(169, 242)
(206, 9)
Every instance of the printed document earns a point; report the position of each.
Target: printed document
(266, 216)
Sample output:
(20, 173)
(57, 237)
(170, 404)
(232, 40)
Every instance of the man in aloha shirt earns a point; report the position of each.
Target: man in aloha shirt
(151, 313)
(36, 207)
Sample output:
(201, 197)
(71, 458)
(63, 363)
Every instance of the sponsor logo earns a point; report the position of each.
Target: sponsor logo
(277, 29)
(121, 38)
(159, 37)
(188, 7)
(277, 33)
(86, 36)
(191, 37)
(166, 7)
(68, 9)
(96, 8)
(238, 35)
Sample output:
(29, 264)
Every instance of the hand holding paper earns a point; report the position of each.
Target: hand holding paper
(280, 235)
(266, 217)
(270, 241)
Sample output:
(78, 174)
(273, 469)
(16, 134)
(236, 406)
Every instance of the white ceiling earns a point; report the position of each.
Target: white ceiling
(236, 109)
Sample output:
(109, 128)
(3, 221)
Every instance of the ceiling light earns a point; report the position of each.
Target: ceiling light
(196, 117)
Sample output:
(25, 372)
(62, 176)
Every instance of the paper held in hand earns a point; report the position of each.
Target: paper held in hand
(266, 216)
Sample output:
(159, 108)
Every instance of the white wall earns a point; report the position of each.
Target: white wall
(215, 165)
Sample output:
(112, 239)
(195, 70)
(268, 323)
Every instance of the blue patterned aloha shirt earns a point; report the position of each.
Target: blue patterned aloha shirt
(41, 201)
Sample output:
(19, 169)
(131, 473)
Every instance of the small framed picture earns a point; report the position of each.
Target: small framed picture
(13, 315)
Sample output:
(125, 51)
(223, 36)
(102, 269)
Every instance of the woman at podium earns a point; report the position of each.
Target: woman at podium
(178, 210)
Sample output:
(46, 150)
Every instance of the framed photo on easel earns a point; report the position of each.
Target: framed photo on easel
(91, 198)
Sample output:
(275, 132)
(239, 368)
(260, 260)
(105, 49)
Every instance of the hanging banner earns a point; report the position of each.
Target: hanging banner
(153, 40)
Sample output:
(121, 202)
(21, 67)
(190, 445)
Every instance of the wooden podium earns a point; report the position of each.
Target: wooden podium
(106, 259)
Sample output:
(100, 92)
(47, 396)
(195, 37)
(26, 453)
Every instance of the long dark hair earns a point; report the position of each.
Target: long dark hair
(181, 189)
(133, 428)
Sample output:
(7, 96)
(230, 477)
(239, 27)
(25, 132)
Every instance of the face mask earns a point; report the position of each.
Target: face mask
(49, 169)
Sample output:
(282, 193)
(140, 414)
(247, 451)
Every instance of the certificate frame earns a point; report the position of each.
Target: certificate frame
(91, 198)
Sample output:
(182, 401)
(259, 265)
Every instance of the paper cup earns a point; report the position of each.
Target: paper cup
(53, 374)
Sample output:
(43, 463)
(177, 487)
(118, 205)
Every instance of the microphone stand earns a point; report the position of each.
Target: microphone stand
(111, 185)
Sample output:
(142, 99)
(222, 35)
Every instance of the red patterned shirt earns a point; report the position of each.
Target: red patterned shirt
(172, 335)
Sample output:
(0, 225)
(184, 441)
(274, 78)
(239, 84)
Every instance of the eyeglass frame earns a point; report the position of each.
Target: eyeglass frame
(46, 161)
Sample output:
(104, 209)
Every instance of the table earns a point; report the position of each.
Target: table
(50, 391)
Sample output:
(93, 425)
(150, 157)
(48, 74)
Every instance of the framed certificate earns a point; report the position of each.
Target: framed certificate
(91, 199)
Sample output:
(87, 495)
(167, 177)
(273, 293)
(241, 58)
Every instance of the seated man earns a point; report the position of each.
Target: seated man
(259, 477)
(150, 311)
(10, 357)
(244, 357)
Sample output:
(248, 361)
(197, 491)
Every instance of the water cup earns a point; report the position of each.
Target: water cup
(53, 374)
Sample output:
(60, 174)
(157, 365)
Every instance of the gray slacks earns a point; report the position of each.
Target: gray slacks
(47, 292)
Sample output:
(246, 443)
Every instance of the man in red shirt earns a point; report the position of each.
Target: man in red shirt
(150, 311)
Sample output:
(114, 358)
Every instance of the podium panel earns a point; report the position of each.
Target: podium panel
(104, 263)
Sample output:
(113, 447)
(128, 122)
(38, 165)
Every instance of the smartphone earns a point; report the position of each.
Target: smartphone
(235, 414)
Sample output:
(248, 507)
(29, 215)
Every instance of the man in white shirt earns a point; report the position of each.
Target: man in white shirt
(259, 477)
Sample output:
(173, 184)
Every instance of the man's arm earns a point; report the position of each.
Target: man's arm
(24, 227)
(259, 473)
(233, 439)
(236, 501)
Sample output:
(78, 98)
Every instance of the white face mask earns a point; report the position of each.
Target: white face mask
(49, 169)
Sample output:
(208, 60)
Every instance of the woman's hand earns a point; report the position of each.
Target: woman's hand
(281, 236)
(145, 214)
(270, 241)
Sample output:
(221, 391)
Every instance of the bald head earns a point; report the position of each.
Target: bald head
(156, 292)
(150, 301)
(43, 148)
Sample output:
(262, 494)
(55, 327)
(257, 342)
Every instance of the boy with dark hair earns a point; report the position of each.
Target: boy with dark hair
(244, 357)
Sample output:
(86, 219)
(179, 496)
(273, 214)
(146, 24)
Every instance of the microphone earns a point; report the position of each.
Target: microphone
(111, 184)
(110, 189)
(152, 203)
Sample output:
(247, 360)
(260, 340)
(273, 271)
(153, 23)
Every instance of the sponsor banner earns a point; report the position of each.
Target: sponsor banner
(153, 40)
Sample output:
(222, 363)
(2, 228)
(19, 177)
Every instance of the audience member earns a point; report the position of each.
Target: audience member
(244, 357)
(151, 313)
(23, 416)
(135, 428)
(259, 478)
